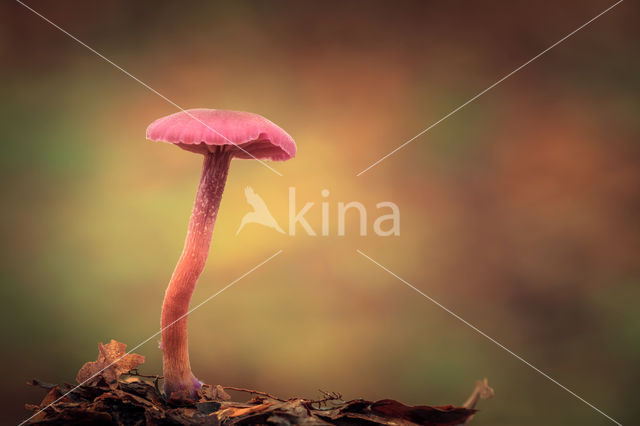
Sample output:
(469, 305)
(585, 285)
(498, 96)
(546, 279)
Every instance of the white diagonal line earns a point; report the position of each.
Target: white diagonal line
(157, 333)
(467, 323)
(146, 85)
(490, 87)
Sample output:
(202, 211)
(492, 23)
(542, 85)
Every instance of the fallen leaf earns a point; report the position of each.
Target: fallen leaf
(180, 398)
(113, 361)
(208, 407)
(40, 383)
(237, 412)
(481, 391)
(422, 414)
(220, 394)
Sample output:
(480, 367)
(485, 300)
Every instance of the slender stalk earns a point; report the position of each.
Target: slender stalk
(177, 369)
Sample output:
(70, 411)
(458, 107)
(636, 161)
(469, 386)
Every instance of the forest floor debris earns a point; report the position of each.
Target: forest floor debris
(116, 397)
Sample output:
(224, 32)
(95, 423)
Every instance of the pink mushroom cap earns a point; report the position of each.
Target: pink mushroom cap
(200, 130)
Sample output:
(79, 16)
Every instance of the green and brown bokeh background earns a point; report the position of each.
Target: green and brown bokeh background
(520, 212)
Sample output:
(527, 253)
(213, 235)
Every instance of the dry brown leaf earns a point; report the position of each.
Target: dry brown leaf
(243, 411)
(481, 391)
(219, 394)
(113, 361)
(213, 393)
(421, 414)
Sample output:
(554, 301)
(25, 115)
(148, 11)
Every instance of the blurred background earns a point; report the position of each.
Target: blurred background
(519, 213)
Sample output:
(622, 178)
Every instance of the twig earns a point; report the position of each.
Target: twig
(266, 395)
(135, 372)
(328, 397)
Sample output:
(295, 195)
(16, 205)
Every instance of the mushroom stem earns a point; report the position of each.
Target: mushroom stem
(176, 366)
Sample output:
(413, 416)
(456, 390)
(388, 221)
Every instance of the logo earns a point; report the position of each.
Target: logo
(384, 225)
(260, 214)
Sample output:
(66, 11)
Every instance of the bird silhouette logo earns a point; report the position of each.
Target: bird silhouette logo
(260, 214)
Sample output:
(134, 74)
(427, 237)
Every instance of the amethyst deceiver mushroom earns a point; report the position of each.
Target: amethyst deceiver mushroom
(220, 136)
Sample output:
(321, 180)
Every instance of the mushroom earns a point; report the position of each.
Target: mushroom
(220, 136)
